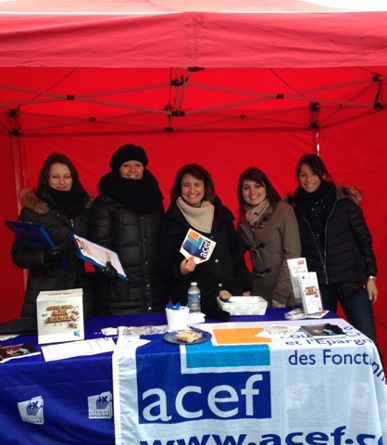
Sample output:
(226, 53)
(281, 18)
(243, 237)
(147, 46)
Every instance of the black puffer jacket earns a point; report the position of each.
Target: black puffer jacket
(134, 237)
(226, 269)
(347, 255)
(52, 276)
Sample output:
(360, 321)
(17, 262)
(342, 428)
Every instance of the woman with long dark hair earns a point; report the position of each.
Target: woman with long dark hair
(336, 243)
(61, 205)
(195, 205)
(268, 228)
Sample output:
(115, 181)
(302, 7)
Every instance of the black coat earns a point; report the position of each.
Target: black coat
(134, 237)
(347, 255)
(226, 268)
(45, 276)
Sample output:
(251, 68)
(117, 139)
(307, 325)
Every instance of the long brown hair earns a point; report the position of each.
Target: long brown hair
(54, 158)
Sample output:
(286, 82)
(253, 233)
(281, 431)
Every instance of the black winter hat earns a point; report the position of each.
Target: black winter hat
(128, 152)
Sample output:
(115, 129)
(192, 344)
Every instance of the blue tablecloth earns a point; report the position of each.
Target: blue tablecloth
(68, 388)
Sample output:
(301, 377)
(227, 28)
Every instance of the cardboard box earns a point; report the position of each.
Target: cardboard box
(60, 316)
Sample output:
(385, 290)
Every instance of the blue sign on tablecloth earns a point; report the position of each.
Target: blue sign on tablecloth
(276, 393)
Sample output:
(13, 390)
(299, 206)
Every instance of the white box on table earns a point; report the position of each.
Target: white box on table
(60, 316)
(241, 305)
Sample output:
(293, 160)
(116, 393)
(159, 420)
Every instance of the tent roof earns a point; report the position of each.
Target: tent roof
(320, 60)
(62, 100)
(171, 33)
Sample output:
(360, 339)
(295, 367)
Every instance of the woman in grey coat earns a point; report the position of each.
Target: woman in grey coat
(268, 228)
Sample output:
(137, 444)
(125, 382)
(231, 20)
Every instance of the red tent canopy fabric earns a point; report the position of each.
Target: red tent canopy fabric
(224, 83)
(215, 33)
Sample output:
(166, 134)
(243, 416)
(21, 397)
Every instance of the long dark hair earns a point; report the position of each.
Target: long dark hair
(258, 176)
(317, 166)
(54, 158)
(198, 172)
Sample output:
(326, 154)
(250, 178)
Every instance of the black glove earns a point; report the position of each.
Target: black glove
(108, 273)
(53, 254)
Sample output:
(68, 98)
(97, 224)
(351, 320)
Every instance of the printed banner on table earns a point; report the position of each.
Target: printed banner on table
(297, 390)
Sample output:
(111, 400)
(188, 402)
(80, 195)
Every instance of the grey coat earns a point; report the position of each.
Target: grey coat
(274, 240)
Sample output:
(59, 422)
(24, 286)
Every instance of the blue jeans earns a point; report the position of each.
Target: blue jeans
(357, 308)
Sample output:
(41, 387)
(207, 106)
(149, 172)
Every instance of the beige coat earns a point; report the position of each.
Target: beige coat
(271, 243)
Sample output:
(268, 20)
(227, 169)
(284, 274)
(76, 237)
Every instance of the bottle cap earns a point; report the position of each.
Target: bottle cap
(194, 283)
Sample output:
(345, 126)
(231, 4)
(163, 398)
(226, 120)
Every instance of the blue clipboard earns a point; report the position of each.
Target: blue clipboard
(33, 236)
(84, 247)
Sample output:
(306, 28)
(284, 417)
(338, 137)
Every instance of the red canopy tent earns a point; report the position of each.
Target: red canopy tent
(224, 83)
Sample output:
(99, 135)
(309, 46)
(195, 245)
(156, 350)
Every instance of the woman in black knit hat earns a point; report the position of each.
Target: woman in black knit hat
(125, 218)
(61, 205)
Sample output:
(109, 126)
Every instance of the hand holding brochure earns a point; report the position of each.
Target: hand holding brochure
(98, 255)
(198, 246)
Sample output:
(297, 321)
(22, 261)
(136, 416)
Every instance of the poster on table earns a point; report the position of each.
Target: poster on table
(264, 392)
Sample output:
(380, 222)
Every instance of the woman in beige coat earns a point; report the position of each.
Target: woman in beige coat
(267, 227)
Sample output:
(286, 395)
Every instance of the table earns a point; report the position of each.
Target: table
(72, 399)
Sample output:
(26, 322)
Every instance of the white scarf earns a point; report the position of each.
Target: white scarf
(199, 218)
(255, 214)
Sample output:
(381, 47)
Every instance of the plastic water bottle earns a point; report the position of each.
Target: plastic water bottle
(194, 298)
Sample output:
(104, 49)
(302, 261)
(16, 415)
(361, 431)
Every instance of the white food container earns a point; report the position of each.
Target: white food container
(244, 305)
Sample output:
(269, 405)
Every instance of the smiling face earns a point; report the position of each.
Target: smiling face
(132, 170)
(59, 177)
(253, 193)
(192, 190)
(308, 179)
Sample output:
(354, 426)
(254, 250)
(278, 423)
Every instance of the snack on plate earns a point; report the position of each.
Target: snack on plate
(188, 336)
(224, 295)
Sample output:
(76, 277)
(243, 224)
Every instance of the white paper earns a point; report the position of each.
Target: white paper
(98, 255)
(299, 314)
(198, 246)
(318, 314)
(109, 331)
(127, 336)
(78, 348)
(6, 337)
(196, 317)
(278, 332)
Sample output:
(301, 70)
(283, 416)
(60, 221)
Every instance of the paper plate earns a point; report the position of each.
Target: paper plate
(170, 337)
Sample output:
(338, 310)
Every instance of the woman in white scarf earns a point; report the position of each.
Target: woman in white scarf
(194, 205)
